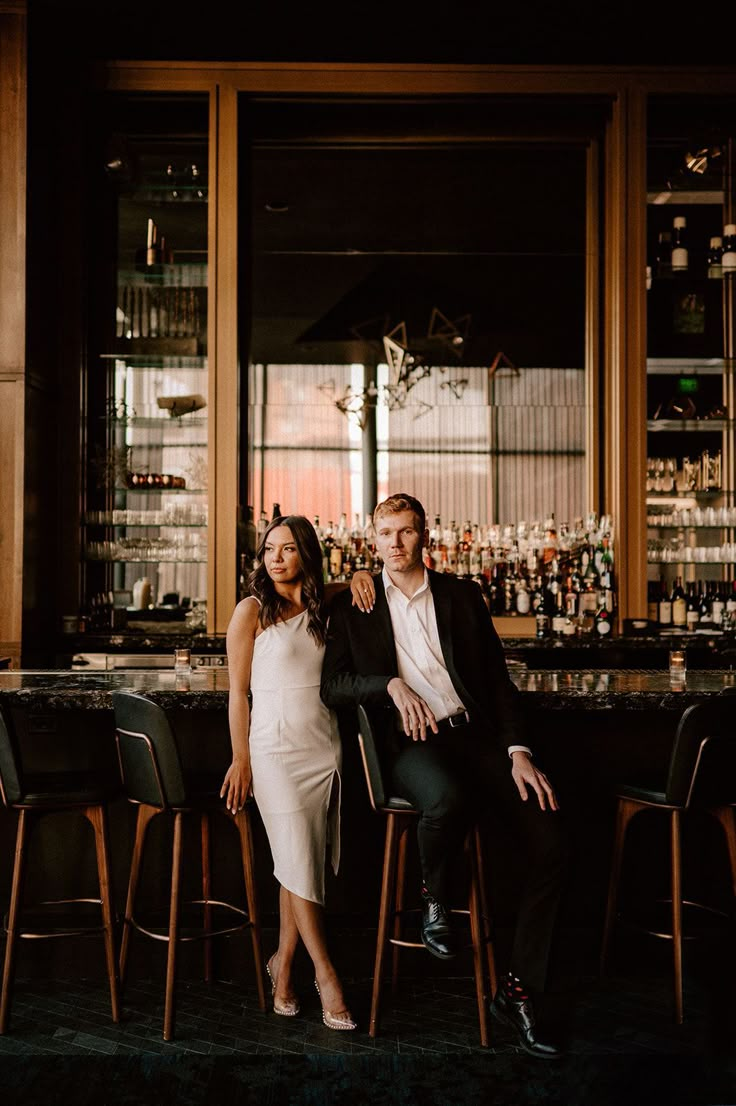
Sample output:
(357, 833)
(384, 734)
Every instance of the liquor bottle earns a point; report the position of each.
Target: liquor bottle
(603, 619)
(652, 603)
(703, 603)
(152, 248)
(664, 254)
(664, 616)
(539, 608)
(243, 578)
(692, 613)
(262, 526)
(679, 605)
(550, 545)
(523, 598)
(728, 257)
(715, 258)
(558, 617)
(369, 534)
(718, 605)
(571, 600)
(730, 612)
(679, 244)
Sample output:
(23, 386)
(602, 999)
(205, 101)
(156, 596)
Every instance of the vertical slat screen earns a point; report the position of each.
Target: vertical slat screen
(469, 446)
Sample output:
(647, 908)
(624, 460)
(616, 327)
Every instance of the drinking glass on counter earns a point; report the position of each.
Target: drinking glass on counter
(678, 668)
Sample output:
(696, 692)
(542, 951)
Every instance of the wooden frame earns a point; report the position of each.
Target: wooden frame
(621, 424)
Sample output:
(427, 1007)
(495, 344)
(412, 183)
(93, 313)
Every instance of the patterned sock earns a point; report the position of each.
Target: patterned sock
(514, 989)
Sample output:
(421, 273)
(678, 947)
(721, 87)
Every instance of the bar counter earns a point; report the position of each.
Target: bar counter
(590, 728)
(587, 689)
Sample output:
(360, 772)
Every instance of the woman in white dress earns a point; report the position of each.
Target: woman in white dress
(286, 748)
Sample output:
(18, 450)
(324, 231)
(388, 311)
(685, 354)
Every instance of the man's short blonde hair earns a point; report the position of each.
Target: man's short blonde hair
(401, 501)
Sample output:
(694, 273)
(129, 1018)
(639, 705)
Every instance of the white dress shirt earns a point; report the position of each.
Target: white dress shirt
(419, 652)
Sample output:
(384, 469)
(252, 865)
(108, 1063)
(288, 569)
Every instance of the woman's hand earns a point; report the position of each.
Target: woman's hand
(237, 785)
(363, 590)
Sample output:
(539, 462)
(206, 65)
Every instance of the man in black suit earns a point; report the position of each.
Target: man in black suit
(427, 652)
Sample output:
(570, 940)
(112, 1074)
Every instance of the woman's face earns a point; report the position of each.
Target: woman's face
(280, 556)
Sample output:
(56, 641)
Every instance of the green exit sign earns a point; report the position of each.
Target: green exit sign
(686, 385)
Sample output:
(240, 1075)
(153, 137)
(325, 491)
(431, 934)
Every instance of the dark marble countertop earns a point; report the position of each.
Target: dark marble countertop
(580, 689)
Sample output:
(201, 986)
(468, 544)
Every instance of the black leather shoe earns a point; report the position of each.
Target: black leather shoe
(437, 934)
(520, 1016)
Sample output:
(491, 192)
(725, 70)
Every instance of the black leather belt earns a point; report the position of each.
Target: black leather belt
(462, 718)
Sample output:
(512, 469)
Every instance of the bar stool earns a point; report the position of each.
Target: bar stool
(153, 778)
(34, 795)
(701, 775)
(400, 817)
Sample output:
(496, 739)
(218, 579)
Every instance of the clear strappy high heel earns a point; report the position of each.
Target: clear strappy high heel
(334, 1021)
(286, 1009)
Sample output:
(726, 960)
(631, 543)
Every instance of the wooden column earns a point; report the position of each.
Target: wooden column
(13, 87)
(624, 341)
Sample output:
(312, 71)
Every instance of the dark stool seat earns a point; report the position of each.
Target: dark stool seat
(702, 775)
(401, 815)
(34, 795)
(154, 780)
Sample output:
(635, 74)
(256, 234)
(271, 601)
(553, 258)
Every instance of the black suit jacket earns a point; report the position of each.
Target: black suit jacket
(360, 658)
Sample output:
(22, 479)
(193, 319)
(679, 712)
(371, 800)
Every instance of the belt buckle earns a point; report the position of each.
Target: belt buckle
(456, 720)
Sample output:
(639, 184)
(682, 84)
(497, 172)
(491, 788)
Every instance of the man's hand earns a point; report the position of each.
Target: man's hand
(415, 714)
(525, 775)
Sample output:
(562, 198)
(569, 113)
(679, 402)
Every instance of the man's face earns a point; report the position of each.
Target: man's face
(399, 541)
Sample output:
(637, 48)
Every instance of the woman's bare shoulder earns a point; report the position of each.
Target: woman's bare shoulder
(245, 615)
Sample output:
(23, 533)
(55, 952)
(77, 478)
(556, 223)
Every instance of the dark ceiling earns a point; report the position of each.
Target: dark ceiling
(536, 32)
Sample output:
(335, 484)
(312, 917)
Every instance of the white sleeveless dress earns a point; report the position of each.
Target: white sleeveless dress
(295, 757)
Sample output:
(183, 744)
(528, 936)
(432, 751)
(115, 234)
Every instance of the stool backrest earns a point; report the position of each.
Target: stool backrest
(371, 761)
(150, 764)
(702, 768)
(11, 779)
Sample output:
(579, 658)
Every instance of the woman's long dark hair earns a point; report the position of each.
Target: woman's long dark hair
(309, 551)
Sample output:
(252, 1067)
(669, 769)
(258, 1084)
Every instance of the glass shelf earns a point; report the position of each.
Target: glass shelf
(159, 525)
(687, 564)
(715, 426)
(685, 366)
(183, 360)
(148, 560)
(700, 493)
(162, 491)
(690, 526)
(157, 422)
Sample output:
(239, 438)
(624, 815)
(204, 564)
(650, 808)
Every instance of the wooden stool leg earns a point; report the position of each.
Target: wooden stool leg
(242, 820)
(16, 895)
(384, 914)
(485, 914)
(675, 861)
(169, 1007)
(625, 811)
(206, 887)
(398, 925)
(726, 815)
(97, 816)
(142, 822)
(476, 936)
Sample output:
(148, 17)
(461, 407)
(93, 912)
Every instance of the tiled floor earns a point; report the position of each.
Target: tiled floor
(623, 1047)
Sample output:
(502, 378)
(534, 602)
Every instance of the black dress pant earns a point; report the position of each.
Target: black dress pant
(458, 776)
